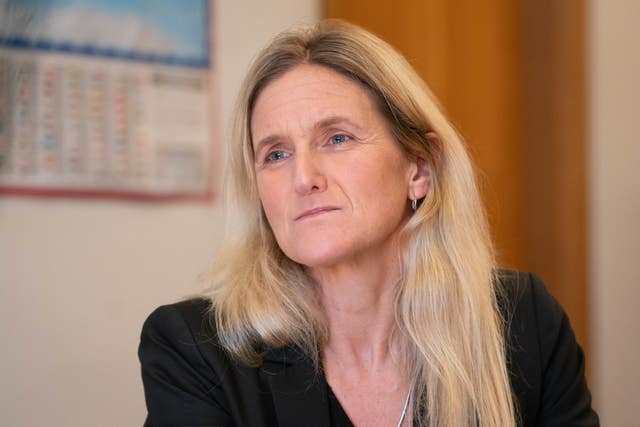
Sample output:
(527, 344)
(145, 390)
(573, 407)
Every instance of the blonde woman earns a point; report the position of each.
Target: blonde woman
(357, 285)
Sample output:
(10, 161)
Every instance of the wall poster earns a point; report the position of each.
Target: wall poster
(105, 98)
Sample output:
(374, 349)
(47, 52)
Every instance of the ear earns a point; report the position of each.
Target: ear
(421, 176)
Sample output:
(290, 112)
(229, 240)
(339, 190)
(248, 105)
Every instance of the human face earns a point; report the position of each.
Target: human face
(334, 184)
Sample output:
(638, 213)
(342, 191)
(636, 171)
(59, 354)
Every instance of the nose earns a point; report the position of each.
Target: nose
(308, 175)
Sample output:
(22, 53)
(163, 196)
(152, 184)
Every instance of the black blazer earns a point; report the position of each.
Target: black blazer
(189, 380)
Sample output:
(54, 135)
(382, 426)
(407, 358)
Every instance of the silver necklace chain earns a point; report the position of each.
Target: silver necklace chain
(404, 408)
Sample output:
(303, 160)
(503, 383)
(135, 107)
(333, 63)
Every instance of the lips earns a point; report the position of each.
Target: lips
(315, 212)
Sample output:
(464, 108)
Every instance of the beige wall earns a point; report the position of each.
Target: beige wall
(614, 87)
(77, 277)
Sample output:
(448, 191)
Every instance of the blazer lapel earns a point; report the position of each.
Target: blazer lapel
(299, 392)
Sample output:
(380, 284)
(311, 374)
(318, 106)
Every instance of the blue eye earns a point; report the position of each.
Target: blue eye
(275, 156)
(339, 139)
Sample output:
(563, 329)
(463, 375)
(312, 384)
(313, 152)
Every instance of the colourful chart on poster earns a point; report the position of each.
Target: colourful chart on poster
(103, 97)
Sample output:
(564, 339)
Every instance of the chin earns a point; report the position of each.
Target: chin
(316, 260)
(318, 256)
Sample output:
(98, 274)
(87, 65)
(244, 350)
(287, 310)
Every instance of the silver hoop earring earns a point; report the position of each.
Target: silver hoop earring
(414, 205)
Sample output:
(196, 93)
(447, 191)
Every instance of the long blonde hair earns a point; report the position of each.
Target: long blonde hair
(446, 304)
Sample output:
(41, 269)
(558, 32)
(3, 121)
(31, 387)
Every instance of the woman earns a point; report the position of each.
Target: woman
(358, 284)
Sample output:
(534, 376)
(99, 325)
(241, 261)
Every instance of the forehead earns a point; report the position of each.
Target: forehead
(306, 93)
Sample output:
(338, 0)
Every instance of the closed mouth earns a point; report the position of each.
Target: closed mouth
(315, 212)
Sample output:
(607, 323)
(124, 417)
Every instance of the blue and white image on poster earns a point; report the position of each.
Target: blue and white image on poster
(157, 31)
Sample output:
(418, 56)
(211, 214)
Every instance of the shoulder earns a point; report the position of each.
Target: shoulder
(186, 327)
(534, 320)
(190, 379)
(519, 291)
(191, 317)
(529, 311)
(183, 366)
(185, 334)
(545, 362)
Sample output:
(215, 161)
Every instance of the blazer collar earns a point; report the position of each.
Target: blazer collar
(299, 391)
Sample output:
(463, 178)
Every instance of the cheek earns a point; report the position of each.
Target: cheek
(390, 191)
(272, 199)
(383, 178)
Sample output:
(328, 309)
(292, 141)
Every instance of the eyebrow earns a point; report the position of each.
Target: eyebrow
(321, 124)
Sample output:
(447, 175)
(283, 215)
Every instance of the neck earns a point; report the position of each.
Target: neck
(359, 303)
(362, 360)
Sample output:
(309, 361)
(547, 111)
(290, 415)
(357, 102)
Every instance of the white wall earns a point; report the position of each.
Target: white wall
(77, 277)
(614, 74)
